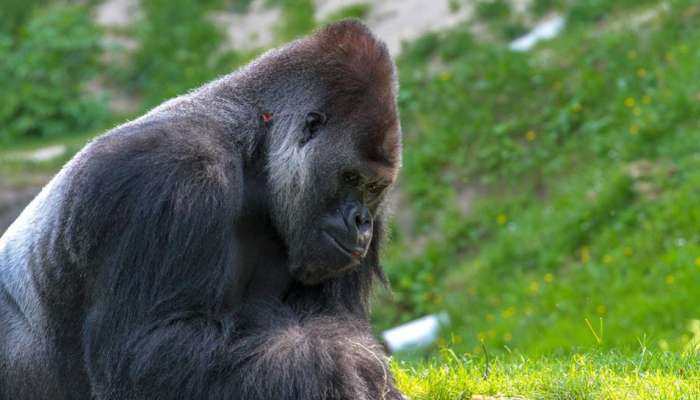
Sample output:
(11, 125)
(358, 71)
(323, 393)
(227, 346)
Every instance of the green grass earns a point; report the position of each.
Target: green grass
(581, 376)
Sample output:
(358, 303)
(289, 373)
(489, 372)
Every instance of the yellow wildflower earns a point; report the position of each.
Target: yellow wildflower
(534, 286)
(585, 254)
(670, 280)
(629, 102)
(456, 339)
(502, 219)
(531, 135)
(508, 312)
(549, 278)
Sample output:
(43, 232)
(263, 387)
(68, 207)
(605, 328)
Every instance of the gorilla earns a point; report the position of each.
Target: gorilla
(222, 246)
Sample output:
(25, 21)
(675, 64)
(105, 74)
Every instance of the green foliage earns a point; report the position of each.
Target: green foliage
(541, 7)
(298, 18)
(180, 49)
(499, 16)
(492, 9)
(15, 14)
(43, 71)
(597, 10)
(553, 191)
(358, 11)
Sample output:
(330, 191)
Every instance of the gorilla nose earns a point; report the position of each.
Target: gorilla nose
(351, 229)
(359, 218)
(359, 221)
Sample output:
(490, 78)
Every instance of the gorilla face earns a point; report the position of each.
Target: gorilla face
(333, 151)
(343, 164)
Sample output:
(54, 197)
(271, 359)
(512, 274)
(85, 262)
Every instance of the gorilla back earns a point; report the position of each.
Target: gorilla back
(222, 246)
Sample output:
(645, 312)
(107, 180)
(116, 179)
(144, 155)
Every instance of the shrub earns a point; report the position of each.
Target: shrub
(43, 69)
(179, 49)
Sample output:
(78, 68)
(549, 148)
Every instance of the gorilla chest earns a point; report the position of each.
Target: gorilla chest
(260, 269)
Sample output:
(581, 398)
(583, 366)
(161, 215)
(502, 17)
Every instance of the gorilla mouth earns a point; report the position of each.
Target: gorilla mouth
(355, 254)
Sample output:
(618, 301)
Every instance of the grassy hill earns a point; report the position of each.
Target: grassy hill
(555, 193)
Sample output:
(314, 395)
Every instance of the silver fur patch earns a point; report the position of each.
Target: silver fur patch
(288, 173)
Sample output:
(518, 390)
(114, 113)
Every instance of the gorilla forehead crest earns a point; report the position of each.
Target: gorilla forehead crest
(359, 74)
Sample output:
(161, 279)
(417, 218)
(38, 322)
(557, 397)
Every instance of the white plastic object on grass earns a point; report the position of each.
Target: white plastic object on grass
(415, 334)
(544, 30)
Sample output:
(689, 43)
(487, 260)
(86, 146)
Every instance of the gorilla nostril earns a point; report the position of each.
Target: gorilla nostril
(357, 219)
(363, 220)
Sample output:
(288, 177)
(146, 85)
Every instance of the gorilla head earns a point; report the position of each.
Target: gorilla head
(333, 151)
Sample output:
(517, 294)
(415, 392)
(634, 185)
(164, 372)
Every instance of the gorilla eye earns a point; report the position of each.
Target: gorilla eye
(351, 179)
(375, 188)
(314, 120)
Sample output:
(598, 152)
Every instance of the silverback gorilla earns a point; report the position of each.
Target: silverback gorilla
(222, 246)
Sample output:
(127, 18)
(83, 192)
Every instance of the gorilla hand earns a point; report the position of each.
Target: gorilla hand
(322, 357)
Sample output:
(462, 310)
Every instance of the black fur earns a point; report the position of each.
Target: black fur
(165, 261)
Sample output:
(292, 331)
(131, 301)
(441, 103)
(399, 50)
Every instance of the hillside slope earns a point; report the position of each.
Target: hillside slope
(556, 193)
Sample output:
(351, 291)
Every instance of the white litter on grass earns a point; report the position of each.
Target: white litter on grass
(545, 30)
(48, 153)
(415, 334)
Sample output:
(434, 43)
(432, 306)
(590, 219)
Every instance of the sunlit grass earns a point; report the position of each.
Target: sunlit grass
(608, 376)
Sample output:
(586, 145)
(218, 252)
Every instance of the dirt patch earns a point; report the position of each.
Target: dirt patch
(251, 30)
(397, 21)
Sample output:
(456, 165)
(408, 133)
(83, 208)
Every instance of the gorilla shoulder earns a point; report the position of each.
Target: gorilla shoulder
(161, 168)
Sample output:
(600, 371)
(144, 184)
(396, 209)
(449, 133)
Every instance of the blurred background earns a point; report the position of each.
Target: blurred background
(549, 201)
